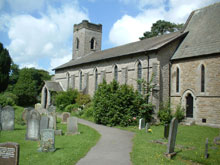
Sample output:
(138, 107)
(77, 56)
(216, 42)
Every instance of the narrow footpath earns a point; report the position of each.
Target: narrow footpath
(113, 148)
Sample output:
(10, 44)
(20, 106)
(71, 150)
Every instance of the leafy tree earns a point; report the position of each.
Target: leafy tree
(5, 64)
(29, 85)
(13, 76)
(161, 27)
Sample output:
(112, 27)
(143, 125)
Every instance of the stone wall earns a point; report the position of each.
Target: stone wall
(206, 104)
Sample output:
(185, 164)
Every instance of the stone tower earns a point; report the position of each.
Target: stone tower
(87, 38)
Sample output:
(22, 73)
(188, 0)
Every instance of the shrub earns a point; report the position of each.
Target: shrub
(65, 98)
(164, 113)
(116, 104)
(72, 107)
(8, 98)
(83, 99)
(88, 112)
(179, 114)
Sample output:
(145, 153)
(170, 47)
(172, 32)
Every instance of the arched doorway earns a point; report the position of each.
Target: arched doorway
(189, 105)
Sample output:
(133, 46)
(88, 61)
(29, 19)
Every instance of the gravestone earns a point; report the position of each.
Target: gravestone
(166, 130)
(141, 123)
(172, 138)
(47, 143)
(206, 148)
(33, 125)
(52, 121)
(147, 127)
(37, 106)
(7, 118)
(58, 132)
(51, 109)
(217, 140)
(25, 114)
(65, 115)
(44, 122)
(9, 153)
(72, 126)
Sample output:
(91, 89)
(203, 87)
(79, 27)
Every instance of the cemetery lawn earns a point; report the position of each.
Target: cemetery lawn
(69, 149)
(190, 146)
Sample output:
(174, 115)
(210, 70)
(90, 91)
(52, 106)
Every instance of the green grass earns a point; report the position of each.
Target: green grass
(69, 149)
(190, 146)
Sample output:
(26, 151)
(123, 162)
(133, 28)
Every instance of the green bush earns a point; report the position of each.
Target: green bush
(164, 113)
(72, 107)
(179, 114)
(8, 98)
(65, 98)
(116, 104)
(83, 99)
(88, 111)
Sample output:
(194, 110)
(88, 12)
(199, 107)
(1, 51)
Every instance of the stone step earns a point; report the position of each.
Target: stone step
(188, 121)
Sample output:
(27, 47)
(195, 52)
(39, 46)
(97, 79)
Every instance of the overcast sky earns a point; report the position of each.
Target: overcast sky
(38, 33)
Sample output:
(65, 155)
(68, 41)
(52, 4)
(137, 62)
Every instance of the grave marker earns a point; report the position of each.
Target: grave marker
(44, 122)
(33, 125)
(206, 148)
(72, 126)
(65, 115)
(172, 138)
(47, 143)
(9, 153)
(7, 118)
(141, 123)
(52, 121)
(147, 127)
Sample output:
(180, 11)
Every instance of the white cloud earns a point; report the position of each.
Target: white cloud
(130, 28)
(59, 61)
(49, 36)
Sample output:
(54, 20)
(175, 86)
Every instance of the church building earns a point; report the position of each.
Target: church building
(185, 65)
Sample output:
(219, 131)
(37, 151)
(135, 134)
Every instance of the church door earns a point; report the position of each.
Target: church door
(189, 106)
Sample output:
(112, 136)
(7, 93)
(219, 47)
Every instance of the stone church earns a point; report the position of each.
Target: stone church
(185, 65)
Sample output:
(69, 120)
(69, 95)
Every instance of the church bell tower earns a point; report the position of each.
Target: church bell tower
(87, 38)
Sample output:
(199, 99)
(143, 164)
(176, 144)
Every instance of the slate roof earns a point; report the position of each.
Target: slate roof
(53, 86)
(204, 33)
(150, 44)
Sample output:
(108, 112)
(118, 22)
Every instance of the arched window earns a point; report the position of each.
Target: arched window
(139, 72)
(177, 79)
(96, 79)
(92, 46)
(77, 43)
(80, 80)
(202, 78)
(116, 73)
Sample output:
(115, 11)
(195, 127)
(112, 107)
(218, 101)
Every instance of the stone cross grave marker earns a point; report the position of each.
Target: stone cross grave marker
(172, 138)
(52, 120)
(33, 125)
(141, 123)
(65, 115)
(7, 118)
(147, 127)
(206, 148)
(47, 143)
(72, 126)
(9, 153)
(44, 122)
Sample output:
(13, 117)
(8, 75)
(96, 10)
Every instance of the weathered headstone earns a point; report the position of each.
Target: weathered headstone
(25, 114)
(58, 132)
(7, 118)
(217, 140)
(65, 115)
(147, 127)
(47, 143)
(141, 123)
(72, 126)
(37, 106)
(33, 125)
(206, 148)
(51, 109)
(9, 153)
(52, 120)
(44, 122)
(166, 130)
(172, 138)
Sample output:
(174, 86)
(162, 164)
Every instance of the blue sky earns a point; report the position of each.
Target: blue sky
(38, 33)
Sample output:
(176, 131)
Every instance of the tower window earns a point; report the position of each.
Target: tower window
(77, 43)
(80, 80)
(202, 78)
(92, 46)
(177, 79)
(96, 79)
(139, 72)
(116, 73)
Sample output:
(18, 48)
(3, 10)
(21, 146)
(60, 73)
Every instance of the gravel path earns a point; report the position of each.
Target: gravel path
(113, 148)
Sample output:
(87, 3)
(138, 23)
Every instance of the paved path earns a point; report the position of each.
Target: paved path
(113, 148)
